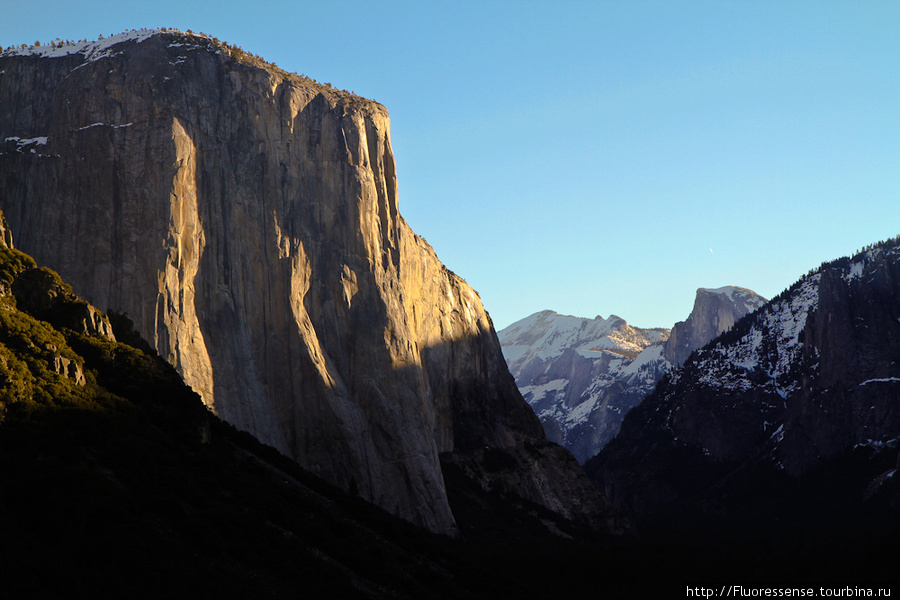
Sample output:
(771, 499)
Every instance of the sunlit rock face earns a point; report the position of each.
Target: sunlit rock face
(246, 219)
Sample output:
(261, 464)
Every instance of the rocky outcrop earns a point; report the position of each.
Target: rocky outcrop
(794, 406)
(6, 240)
(246, 220)
(581, 376)
(43, 294)
(69, 369)
(715, 311)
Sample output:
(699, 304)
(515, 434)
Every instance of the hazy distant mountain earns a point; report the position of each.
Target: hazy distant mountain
(582, 375)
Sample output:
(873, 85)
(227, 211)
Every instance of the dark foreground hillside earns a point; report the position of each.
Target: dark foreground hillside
(115, 481)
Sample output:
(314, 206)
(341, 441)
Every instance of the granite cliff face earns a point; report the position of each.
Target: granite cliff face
(246, 220)
(715, 311)
(789, 418)
(581, 376)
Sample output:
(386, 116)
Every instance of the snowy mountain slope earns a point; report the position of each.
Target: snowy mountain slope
(800, 395)
(581, 376)
(547, 335)
(575, 373)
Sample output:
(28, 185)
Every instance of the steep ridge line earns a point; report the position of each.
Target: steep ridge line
(786, 423)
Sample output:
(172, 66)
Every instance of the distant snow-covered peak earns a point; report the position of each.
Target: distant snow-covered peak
(547, 334)
(727, 290)
(742, 299)
(730, 291)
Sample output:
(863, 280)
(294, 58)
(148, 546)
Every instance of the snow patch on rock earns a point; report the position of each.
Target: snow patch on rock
(92, 51)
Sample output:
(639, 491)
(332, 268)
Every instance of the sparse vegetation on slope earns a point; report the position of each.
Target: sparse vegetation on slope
(201, 39)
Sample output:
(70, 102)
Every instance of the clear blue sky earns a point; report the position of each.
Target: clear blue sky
(595, 157)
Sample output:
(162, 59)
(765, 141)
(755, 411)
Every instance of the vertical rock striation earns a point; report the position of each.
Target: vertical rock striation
(246, 219)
